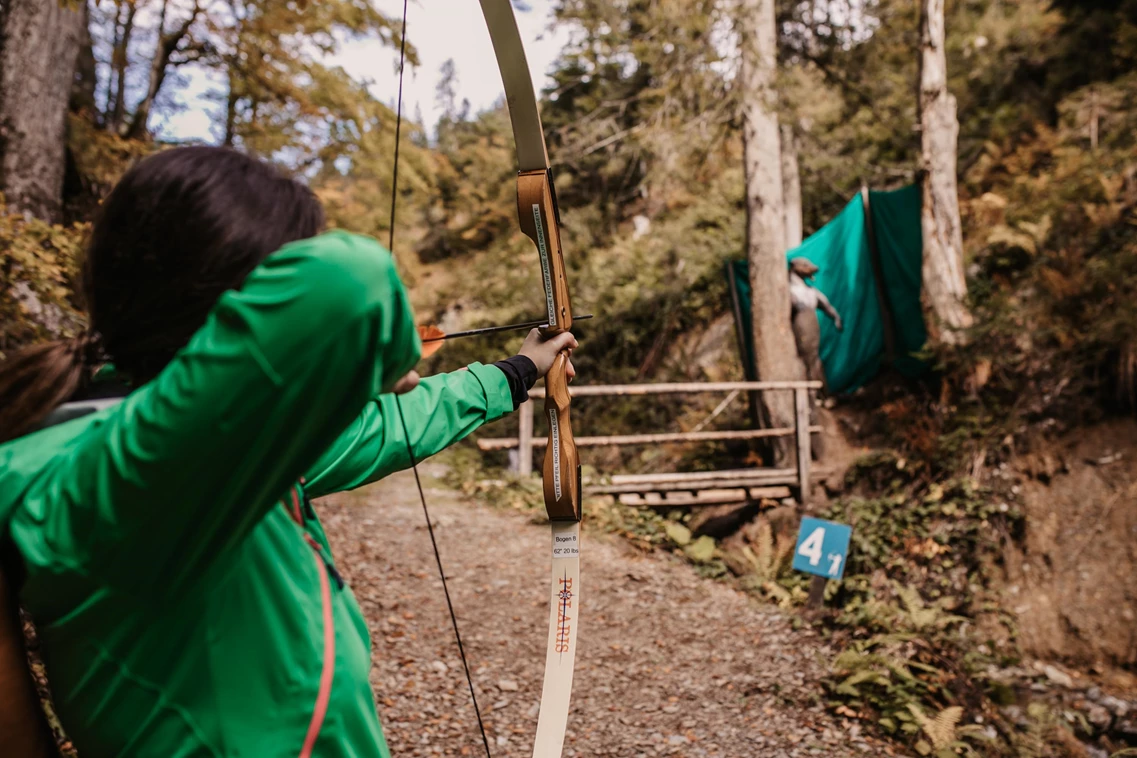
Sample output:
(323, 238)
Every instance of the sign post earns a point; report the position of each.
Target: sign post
(822, 549)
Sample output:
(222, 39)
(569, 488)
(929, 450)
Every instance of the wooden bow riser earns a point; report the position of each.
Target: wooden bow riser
(537, 213)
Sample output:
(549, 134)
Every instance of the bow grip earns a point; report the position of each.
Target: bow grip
(562, 464)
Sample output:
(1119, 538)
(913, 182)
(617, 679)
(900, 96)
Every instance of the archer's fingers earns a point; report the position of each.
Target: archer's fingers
(570, 371)
(563, 341)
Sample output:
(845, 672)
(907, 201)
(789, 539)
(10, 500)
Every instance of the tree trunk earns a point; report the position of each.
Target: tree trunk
(230, 113)
(791, 187)
(86, 72)
(774, 349)
(120, 62)
(159, 66)
(945, 287)
(39, 42)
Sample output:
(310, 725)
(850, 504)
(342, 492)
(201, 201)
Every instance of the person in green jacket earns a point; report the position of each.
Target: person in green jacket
(158, 520)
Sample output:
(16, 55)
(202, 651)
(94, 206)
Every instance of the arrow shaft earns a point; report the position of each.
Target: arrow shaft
(505, 328)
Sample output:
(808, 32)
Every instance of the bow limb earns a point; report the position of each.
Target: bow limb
(540, 221)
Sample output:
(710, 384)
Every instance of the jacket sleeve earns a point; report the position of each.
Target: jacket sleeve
(152, 490)
(440, 411)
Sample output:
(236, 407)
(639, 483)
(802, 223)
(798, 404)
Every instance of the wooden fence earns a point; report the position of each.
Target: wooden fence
(691, 488)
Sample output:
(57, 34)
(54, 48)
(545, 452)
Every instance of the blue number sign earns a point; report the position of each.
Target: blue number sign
(822, 547)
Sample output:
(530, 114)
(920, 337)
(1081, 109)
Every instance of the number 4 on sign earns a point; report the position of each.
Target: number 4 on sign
(822, 547)
(811, 547)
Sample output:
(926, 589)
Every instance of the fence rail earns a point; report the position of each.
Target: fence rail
(509, 443)
(524, 442)
(674, 388)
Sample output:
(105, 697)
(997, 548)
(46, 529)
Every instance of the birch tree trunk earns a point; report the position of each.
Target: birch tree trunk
(791, 187)
(945, 287)
(774, 349)
(39, 42)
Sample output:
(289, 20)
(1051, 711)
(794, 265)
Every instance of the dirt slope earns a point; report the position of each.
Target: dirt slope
(1072, 580)
(669, 664)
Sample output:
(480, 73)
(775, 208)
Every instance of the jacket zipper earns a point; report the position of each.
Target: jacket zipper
(328, 668)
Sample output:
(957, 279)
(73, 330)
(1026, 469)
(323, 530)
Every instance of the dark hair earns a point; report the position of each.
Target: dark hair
(179, 229)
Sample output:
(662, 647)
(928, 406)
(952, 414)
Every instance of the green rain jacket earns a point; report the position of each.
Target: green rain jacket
(184, 591)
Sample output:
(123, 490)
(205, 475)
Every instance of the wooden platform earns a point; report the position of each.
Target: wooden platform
(697, 488)
(691, 488)
(690, 499)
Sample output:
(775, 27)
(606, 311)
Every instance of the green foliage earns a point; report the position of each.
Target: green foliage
(282, 95)
(1052, 232)
(941, 731)
(769, 557)
(939, 534)
(767, 560)
(642, 107)
(37, 294)
(887, 673)
(920, 579)
(100, 157)
(475, 200)
(849, 80)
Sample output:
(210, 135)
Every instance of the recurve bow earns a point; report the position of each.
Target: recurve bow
(539, 219)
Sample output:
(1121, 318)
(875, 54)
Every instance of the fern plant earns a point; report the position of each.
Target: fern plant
(940, 730)
(768, 560)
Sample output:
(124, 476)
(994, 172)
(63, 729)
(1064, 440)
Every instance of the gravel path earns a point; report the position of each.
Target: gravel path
(667, 663)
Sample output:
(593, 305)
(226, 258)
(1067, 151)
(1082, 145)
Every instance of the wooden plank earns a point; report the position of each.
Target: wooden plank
(508, 443)
(693, 486)
(705, 497)
(737, 473)
(816, 472)
(801, 399)
(664, 388)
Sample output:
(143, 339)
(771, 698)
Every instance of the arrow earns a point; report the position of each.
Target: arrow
(431, 334)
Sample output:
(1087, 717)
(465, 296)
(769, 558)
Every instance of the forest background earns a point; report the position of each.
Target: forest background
(1013, 455)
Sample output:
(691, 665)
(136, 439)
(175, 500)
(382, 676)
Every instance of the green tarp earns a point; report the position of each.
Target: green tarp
(842, 251)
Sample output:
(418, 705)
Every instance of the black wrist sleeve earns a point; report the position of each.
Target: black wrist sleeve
(521, 373)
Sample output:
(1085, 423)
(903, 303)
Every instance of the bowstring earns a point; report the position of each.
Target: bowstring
(402, 417)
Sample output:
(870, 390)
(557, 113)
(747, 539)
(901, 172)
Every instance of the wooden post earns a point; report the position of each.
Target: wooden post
(801, 402)
(525, 439)
(882, 299)
(816, 592)
(801, 423)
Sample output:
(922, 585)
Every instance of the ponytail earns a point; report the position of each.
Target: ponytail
(37, 379)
